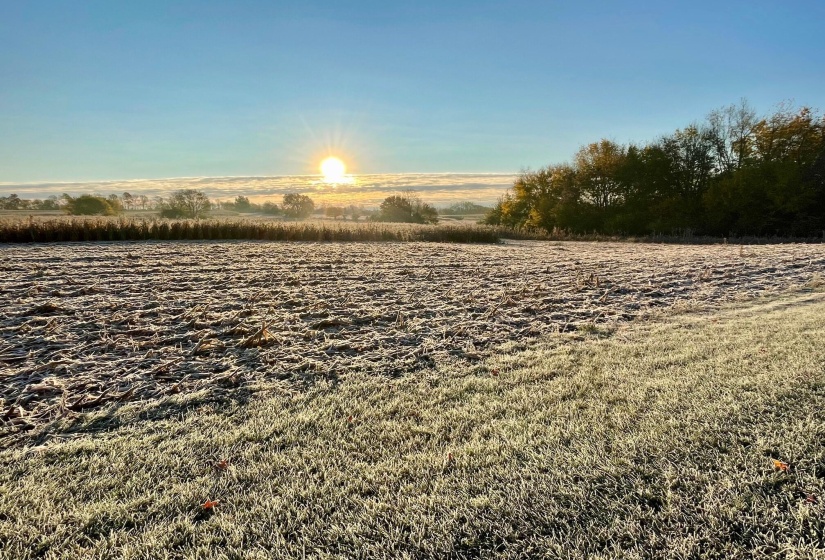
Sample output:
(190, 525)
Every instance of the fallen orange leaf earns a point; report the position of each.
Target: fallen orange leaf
(784, 467)
(222, 465)
(811, 499)
(209, 504)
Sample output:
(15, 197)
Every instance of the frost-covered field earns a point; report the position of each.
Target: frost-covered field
(86, 325)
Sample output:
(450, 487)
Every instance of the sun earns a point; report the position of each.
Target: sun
(333, 170)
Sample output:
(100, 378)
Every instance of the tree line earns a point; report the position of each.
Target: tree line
(14, 202)
(732, 174)
(191, 203)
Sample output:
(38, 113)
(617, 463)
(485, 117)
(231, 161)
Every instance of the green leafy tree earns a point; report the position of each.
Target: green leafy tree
(425, 214)
(406, 208)
(47, 204)
(91, 205)
(10, 202)
(511, 210)
(297, 206)
(597, 167)
(548, 198)
(115, 202)
(395, 209)
(242, 204)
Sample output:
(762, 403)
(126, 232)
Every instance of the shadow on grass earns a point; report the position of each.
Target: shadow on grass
(110, 418)
(112, 415)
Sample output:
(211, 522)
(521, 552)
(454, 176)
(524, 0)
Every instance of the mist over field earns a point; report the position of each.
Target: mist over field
(435, 188)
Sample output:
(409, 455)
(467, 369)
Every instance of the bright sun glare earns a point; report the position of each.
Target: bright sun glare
(333, 170)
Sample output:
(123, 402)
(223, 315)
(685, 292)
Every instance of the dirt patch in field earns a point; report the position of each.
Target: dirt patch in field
(86, 325)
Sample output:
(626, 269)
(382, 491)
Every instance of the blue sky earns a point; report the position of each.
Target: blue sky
(106, 90)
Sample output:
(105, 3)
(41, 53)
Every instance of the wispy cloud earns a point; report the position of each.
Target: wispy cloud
(435, 188)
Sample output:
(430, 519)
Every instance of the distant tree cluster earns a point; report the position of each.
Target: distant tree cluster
(465, 209)
(92, 205)
(243, 205)
(271, 209)
(406, 208)
(186, 203)
(352, 212)
(293, 206)
(14, 202)
(135, 202)
(86, 204)
(733, 174)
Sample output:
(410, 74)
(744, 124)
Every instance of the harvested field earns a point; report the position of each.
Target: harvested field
(84, 326)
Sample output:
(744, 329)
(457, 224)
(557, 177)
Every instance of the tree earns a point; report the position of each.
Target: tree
(423, 213)
(334, 212)
(406, 208)
(242, 204)
(49, 203)
(465, 208)
(597, 167)
(510, 211)
(115, 203)
(771, 194)
(186, 203)
(11, 202)
(91, 205)
(395, 209)
(730, 129)
(548, 198)
(271, 208)
(734, 174)
(532, 199)
(128, 201)
(26, 204)
(354, 212)
(560, 205)
(297, 206)
(665, 181)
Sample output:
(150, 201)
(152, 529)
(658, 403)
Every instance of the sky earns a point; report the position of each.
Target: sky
(120, 90)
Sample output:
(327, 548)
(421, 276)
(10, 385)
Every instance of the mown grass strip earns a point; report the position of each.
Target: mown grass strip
(658, 441)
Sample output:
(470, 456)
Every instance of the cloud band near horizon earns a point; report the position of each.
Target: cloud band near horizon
(434, 188)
